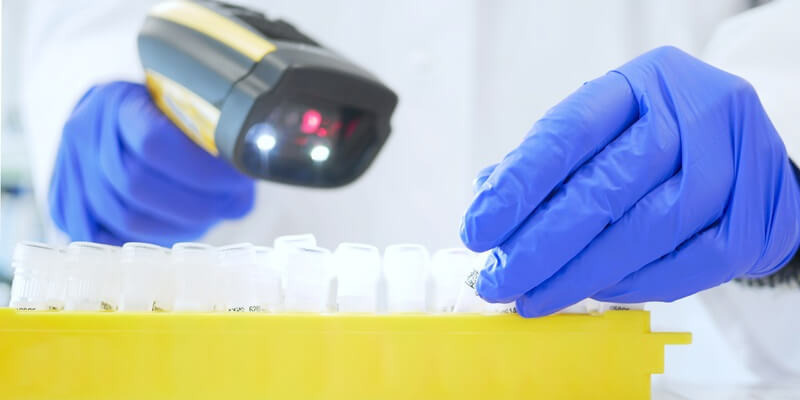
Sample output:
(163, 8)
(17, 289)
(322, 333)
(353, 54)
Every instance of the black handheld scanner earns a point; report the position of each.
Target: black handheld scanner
(263, 95)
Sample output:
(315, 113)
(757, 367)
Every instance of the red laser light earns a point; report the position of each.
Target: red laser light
(311, 121)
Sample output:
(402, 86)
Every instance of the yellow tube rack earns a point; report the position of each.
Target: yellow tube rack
(152, 356)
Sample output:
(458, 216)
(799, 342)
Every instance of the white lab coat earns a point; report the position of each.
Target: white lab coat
(472, 77)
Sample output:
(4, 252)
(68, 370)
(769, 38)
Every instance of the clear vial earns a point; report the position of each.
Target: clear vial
(582, 307)
(197, 269)
(468, 300)
(32, 263)
(406, 268)
(110, 274)
(449, 267)
(166, 284)
(268, 281)
(282, 245)
(57, 282)
(240, 273)
(603, 306)
(87, 264)
(143, 270)
(357, 268)
(307, 279)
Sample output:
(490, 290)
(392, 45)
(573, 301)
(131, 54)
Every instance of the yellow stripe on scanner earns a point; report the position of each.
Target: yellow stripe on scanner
(196, 117)
(211, 24)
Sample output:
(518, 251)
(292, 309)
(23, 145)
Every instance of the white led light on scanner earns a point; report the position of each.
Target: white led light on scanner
(294, 276)
(265, 142)
(319, 153)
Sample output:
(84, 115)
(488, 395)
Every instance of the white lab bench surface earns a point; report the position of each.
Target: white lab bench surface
(693, 391)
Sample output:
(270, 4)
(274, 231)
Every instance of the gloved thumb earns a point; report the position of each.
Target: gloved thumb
(482, 176)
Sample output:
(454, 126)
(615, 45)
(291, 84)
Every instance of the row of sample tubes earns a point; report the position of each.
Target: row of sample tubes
(295, 275)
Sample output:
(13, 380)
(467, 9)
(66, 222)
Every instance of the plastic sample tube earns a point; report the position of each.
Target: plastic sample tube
(165, 284)
(357, 269)
(590, 306)
(468, 300)
(448, 269)
(585, 306)
(281, 247)
(197, 269)
(57, 282)
(268, 280)
(501, 308)
(603, 306)
(110, 273)
(144, 272)
(405, 268)
(240, 270)
(87, 267)
(284, 243)
(307, 280)
(32, 263)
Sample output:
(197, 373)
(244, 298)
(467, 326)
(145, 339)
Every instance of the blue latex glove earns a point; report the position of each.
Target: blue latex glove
(653, 182)
(124, 172)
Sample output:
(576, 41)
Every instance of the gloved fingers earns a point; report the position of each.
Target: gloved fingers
(102, 235)
(122, 221)
(158, 143)
(66, 201)
(689, 269)
(481, 177)
(654, 227)
(155, 194)
(140, 187)
(566, 137)
(596, 195)
(84, 206)
(133, 225)
(735, 246)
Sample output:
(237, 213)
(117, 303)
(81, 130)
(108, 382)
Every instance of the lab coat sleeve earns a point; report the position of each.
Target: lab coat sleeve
(763, 46)
(760, 323)
(68, 46)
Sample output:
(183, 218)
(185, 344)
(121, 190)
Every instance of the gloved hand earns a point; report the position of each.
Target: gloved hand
(653, 182)
(124, 172)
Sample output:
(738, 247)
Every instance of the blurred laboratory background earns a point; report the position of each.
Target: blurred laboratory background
(19, 217)
(454, 117)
